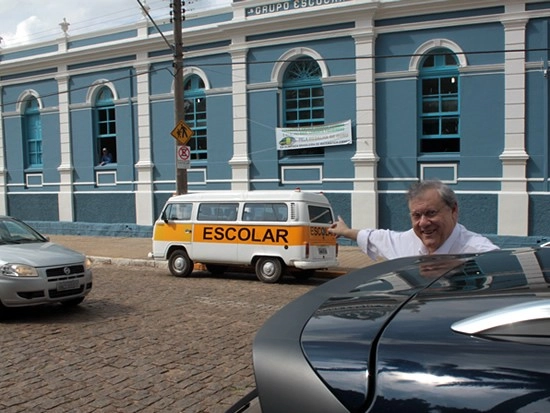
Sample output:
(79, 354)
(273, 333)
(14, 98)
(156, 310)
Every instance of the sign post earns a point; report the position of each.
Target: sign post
(181, 131)
(179, 108)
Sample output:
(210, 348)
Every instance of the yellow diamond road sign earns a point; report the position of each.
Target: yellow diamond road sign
(182, 133)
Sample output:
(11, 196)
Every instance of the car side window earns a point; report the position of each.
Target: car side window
(261, 212)
(218, 211)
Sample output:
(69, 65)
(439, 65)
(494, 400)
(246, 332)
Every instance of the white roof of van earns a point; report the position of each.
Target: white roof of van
(260, 195)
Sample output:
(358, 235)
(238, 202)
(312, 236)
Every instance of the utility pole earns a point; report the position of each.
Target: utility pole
(178, 11)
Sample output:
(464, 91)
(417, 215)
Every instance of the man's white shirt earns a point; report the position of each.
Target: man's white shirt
(394, 244)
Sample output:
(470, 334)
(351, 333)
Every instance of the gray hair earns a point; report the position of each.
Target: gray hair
(447, 194)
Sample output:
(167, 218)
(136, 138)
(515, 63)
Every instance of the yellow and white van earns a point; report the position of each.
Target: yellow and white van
(272, 231)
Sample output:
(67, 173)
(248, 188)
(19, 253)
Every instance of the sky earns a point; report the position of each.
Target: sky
(29, 21)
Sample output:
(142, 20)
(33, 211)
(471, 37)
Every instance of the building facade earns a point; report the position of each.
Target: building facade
(432, 89)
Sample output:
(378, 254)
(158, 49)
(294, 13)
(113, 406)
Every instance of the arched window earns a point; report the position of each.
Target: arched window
(303, 99)
(105, 121)
(439, 103)
(32, 130)
(195, 115)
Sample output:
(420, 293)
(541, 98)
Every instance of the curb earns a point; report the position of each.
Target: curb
(129, 262)
(328, 273)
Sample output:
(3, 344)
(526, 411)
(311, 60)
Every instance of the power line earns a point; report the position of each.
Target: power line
(275, 61)
(146, 11)
(88, 86)
(111, 19)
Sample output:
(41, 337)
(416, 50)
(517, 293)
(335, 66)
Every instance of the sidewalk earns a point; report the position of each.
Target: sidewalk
(135, 250)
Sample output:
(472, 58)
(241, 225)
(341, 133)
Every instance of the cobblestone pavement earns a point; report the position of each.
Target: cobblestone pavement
(142, 341)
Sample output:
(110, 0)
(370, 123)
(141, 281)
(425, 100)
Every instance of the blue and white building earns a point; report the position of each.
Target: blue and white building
(455, 90)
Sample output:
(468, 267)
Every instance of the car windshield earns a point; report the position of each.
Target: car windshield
(15, 232)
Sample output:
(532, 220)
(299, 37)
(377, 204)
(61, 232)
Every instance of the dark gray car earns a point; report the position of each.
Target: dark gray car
(465, 333)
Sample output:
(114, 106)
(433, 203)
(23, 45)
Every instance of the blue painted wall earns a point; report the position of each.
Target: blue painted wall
(105, 208)
(163, 144)
(340, 105)
(477, 211)
(35, 206)
(393, 212)
(396, 142)
(539, 207)
(481, 128)
(82, 147)
(51, 155)
(102, 39)
(220, 141)
(261, 137)
(161, 78)
(399, 46)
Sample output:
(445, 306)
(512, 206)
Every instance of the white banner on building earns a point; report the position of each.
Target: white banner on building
(314, 136)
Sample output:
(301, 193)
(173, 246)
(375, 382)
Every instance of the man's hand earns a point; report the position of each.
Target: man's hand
(341, 229)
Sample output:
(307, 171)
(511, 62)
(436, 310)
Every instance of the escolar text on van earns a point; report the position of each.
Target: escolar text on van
(275, 232)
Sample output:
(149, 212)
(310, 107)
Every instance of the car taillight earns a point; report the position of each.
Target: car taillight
(307, 250)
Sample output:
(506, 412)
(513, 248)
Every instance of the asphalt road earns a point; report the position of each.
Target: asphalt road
(142, 341)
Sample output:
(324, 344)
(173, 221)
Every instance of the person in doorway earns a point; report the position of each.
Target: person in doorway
(106, 157)
(435, 229)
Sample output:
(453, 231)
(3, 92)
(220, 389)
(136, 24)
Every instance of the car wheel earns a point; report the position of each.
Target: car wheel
(269, 269)
(180, 264)
(73, 302)
(216, 269)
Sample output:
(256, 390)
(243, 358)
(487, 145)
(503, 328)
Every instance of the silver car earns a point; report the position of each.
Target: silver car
(35, 271)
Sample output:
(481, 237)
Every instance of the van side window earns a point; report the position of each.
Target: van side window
(319, 215)
(218, 211)
(260, 212)
(178, 212)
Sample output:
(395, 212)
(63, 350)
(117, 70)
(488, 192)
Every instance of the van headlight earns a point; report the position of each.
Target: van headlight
(18, 270)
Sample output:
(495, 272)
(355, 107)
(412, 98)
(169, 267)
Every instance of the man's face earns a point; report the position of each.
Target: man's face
(432, 220)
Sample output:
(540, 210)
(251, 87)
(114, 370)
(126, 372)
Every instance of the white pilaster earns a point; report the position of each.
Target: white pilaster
(513, 200)
(240, 162)
(65, 196)
(144, 166)
(364, 198)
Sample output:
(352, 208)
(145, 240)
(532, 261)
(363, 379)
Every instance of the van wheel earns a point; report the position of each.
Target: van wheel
(216, 269)
(180, 264)
(269, 269)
